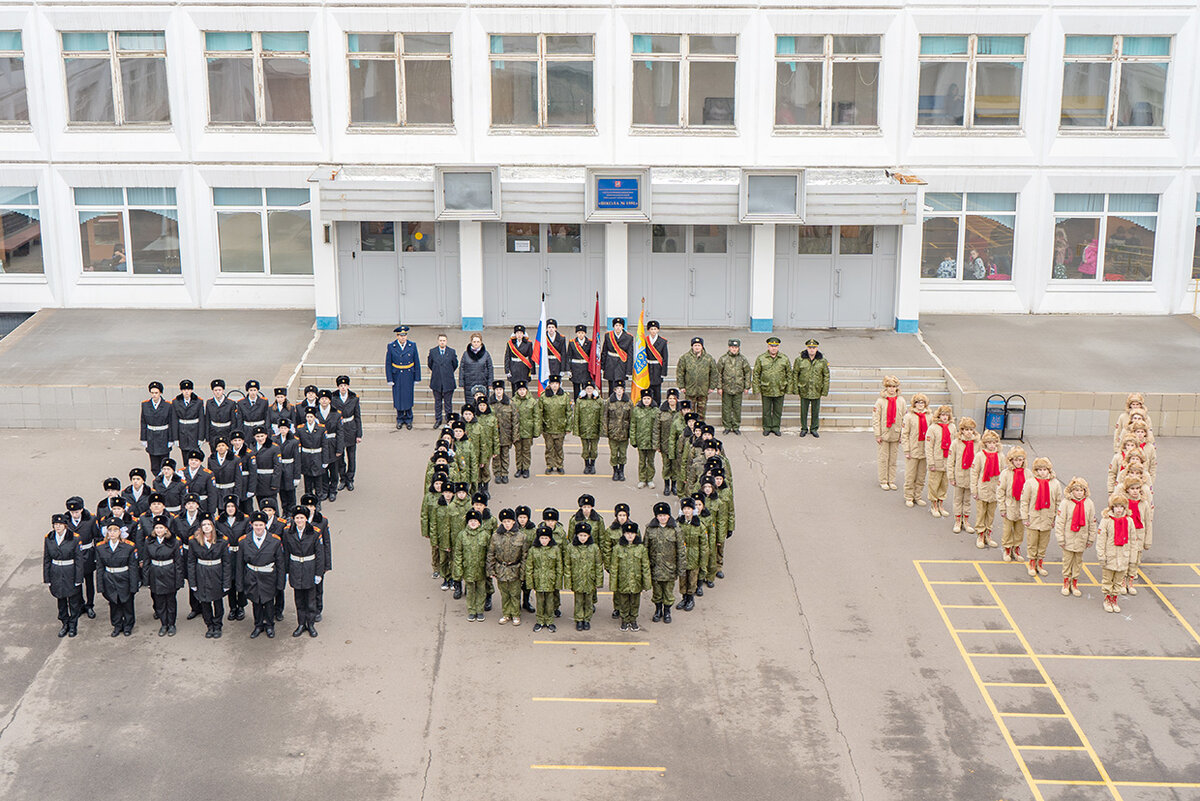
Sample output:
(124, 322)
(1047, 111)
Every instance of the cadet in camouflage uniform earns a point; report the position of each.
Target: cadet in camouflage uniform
(684, 446)
(708, 532)
(529, 426)
(470, 563)
(465, 454)
(441, 534)
(543, 575)
(668, 416)
(588, 514)
(643, 433)
(694, 542)
(720, 523)
(585, 422)
(486, 436)
(696, 374)
(506, 430)
(668, 560)
(810, 380)
(429, 518)
(771, 380)
(733, 377)
(629, 571)
(554, 409)
(614, 424)
(583, 573)
(728, 517)
(506, 564)
(612, 536)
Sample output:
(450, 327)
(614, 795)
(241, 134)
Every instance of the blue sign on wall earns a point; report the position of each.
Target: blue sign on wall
(617, 193)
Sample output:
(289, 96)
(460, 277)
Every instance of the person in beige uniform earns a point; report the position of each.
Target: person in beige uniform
(1075, 530)
(985, 483)
(1120, 461)
(938, 444)
(1141, 512)
(1141, 434)
(962, 457)
(1012, 485)
(1113, 544)
(1135, 404)
(886, 420)
(913, 434)
(1039, 503)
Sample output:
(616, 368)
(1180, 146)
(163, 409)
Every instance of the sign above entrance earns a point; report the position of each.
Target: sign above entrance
(618, 194)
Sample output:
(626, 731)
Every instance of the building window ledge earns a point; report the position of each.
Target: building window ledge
(1014, 132)
(430, 130)
(125, 279)
(533, 131)
(256, 279)
(841, 130)
(23, 278)
(954, 285)
(638, 130)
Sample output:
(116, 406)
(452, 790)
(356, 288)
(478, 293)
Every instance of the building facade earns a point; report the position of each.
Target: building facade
(748, 165)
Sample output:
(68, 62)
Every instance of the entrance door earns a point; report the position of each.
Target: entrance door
(691, 275)
(524, 260)
(829, 276)
(398, 272)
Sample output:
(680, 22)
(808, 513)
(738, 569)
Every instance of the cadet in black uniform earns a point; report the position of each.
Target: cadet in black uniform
(62, 570)
(305, 568)
(210, 573)
(556, 348)
(315, 453)
(281, 409)
(188, 411)
(226, 472)
(329, 417)
(81, 523)
(289, 463)
(347, 405)
(263, 467)
(137, 494)
(118, 514)
(199, 481)
(657, 360)
(170, 487)
(145, 525)
(163, 572)
(156, 426)
(220, 414)
(578, 352)
(232, 524)
(117, 576)
(321, 522)
(252, 409)
(616, 356)
(261, 572)
(112, 488)
(518, 357)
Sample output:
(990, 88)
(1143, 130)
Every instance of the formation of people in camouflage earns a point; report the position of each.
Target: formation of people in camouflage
(474, 553)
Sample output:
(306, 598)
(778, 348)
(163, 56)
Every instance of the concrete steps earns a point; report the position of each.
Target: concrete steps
(852, 394)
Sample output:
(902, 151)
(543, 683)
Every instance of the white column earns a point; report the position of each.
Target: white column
(616, 270)
(325, 276)
(908, 278)
(762, 277)
(470, 266)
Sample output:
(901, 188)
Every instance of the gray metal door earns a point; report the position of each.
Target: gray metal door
(349, 276)
(428, 274)
(690, 275)
(524, 260)
(835, 276)
(573, 273)
(803, 282)
(368, 279)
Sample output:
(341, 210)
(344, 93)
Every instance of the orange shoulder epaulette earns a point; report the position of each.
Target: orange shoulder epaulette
(276, 536)
(242, 537)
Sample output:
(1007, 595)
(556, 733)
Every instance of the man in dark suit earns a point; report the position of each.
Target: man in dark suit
(442, 364)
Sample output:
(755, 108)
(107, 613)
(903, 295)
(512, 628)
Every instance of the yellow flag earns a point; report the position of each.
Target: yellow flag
(641, 371)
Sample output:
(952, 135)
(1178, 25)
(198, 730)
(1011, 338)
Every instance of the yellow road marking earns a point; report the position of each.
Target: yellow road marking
(1051, 747)
(1121, 656)
(969, 606)
(984, 631)
(591, 642)
(1154, 588)
(1073, 782)
(1013, 684)
(1014, 655)
(603, 700)
(1091, 578)
(1192, 586)
(976, 583)
(1032, 715)
(1194, 567)
(1158, 784)
(641, 768)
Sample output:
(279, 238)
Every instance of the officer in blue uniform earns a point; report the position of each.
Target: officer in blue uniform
(403, 369)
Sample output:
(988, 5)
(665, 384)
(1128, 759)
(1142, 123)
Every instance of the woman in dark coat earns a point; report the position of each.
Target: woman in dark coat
(162, 572)
(62, 569)
(118, 579)
(476, 368)
(210, 574)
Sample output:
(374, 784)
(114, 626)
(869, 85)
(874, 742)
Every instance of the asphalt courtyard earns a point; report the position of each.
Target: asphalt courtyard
(856, 650)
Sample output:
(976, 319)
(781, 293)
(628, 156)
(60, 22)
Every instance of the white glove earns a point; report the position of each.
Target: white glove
(144, 443)
(193, 589)
(317, 579)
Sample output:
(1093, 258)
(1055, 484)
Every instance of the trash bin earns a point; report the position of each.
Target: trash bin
(1014, 418)
(993, 417)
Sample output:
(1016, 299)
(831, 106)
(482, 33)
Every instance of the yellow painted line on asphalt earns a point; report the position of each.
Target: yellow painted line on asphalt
(987, 654)
(1031, 584)
(1192, 586)
(1159, 784)
(976, 583)
(1014, 684)
(1051, 747)
(591, 642)
(1092, 579)
(1171, 607)
(637, 768)
(1074, 782)
(984, 631)
(1033, 715)
(602, 700)
(1121, 657)
(1194, 567)
(969, 606)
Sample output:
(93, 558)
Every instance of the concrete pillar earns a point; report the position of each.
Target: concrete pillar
(908, 278)
(762, 277)
(470, 264)
(325, 275)
(616, 270)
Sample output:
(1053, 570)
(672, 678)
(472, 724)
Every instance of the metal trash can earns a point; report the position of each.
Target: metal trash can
(1014, 418)
(993, 417)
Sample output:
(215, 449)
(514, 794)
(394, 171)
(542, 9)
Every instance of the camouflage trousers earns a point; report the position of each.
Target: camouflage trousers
(687, 582)
(554, 449)
(617, 452)
(523, 458)
(585, 605)
(444, 562)
(591, 448)
(627, 605)
(662, 592)
(545, 607)
(500, 461)
(699, 403)
(645, 465)
(669, 467)
(475, 596)
(510, 598)
(731, 410)
(435, 556)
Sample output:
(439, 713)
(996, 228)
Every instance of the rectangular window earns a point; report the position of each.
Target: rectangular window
(668, 238)
(1115, 82)
(816, 240)
(968, 237)
(1104, 237)
(564, 239)
(258, 78)
(14, 99)
(522, 237)
(710, 238)
(399, 79)
(684, 81)
(377, 237)
(419, 237)
(269, 231)
(970, 81)
(542, 81)
(20, 231)
(132, 231)
(116, 77)
(856, 240)
(826, 81)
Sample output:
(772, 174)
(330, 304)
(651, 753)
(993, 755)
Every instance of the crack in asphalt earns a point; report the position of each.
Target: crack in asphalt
(437, 662)
(13, 716)
(815, 668)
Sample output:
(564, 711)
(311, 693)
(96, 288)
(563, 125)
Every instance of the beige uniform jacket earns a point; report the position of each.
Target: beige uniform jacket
(1109, 555)
(933, 446)
(984, 490)
(961, 476)
(910, 430)
(1040, 519)
(1074, 541)
(879, 419)
(1010, 507)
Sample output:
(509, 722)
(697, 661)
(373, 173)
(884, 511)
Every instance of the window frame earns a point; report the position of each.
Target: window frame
(1102, 238)
(1116, 59)
(541, 58)
(1195, 275)
(960, 217)
(827, 59)
(19, 53)
(115, 56)
(685, 58)
(263, 210)
(972, 59)
(399, 57)
(31, 210)
(124, 210)
(256, 54)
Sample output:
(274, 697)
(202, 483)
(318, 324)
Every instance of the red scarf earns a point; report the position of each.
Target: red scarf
(1018, 484)
(891, 412)
(1120, 530)
(1143, 445)
(1079, 516)
(991, 465)
(1136, 513)
(968, 454)
(922, 427)
(945, 440)
(1043, 495)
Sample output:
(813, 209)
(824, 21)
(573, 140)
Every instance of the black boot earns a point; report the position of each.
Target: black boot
(682, 601)
(658, 613)
(688, 603)
(487, 604)
(666, 613)
(621, 471)
(62, 632)
(700, 587)
(525, 605)
(73, 628)
(616, 474)
(484, 489)
(458, 592)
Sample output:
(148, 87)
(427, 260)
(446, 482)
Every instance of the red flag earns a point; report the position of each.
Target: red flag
(597, 336)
